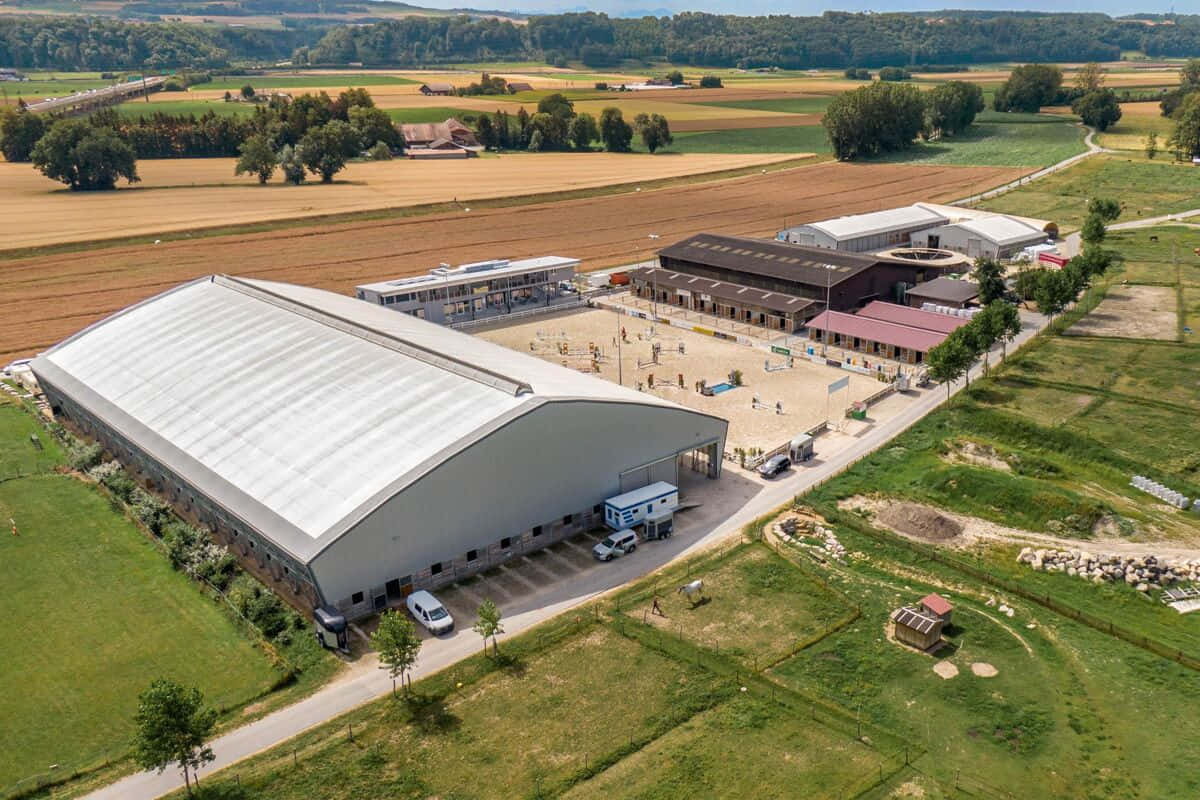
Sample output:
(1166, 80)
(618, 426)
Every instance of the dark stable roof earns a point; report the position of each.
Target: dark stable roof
(912, 618)
(794, 262)
(670, 279)
(946, 289)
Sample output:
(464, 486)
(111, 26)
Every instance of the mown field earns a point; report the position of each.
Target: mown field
(1144, 188)
(94, 613)
(602, 704)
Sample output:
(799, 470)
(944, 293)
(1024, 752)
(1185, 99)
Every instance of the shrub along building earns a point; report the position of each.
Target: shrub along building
(352, 454)
(771, 283)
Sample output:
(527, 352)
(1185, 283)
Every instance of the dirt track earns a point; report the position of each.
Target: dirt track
(47, 298)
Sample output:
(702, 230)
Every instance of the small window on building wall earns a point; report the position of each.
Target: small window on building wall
(506, 542)
(598, 508)
(537, 530)
(567, 520)
(356, 598)
(472, 555)
(435, 569)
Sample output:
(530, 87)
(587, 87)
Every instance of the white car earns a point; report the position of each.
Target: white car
(615, 544)
(430, 612)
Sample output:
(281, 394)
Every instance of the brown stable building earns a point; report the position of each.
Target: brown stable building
(917, 628)
(849, 280)
(772, 310)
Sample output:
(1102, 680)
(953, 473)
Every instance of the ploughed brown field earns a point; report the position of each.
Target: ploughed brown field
(44, 299)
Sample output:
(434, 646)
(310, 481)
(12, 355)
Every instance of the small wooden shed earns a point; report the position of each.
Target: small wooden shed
(938, 606)
(917, 628)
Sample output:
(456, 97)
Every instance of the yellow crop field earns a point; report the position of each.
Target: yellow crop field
(184, 194)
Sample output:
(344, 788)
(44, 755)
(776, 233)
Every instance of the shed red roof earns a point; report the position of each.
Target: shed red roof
(937, 604)
(912, 317)
(877, 330)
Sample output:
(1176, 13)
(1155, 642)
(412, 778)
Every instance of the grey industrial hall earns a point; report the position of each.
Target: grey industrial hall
(351, 454)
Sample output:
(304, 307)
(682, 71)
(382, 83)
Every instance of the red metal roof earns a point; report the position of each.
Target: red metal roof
(877, 330)
(937, 604)
(912, 317)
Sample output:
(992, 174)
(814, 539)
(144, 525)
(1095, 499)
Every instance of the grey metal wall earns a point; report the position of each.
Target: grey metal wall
(560, 459)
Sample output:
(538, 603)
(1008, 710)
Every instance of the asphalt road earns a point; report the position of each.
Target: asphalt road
(364, 682)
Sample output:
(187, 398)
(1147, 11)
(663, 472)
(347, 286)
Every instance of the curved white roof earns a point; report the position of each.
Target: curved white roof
(1001, 230)
(295, 407)
(877, 222)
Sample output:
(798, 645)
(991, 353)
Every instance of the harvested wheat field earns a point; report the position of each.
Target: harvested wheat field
(180, 194)
(46, 298)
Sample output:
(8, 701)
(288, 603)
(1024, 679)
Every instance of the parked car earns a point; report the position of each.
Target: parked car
(616, 544)
(774, 465)
(429, 611)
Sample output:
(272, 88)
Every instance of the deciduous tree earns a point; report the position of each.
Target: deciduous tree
(397, 643)
(948, 361)
(1185, 135)
(292, 164)
(654, 130)
(615, 132)
(1106, 208)
(990, 276)
(1054, 292)
(584, 131)
(489, 624)
(1090, 77)
(84, 157)
(952, 106)
(1099, 109)
(1028, 88)
(326, 149)
(19, 133)
(257, 158)
(172, 728)
(1093, 231)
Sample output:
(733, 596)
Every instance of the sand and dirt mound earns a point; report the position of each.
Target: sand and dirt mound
(922, 522)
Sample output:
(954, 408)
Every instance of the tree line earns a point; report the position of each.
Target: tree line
(314, 133)
(1052, 289)
(556, 126)
(832, 40)
(886, 117)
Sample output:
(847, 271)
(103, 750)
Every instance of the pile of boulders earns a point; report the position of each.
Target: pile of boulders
(1142, 572)
(791, 529)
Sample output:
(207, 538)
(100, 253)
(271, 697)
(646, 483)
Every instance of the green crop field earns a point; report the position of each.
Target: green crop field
(140, 108)
(1145, 189)
(796, 139)
(790, 105)
(999, 144)
(435, 114)
(94, 614)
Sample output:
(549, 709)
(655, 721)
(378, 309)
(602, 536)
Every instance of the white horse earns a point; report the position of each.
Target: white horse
(693, 590)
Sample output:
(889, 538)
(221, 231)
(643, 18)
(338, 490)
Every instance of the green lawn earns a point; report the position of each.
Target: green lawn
(745, 748)
(19, 454)
(140, 108)
(999, 144)
(95, 613)
(535, 725)
(795, 139)
(790, 105)
(1145, 188)
(1170, 259)
(759, 606)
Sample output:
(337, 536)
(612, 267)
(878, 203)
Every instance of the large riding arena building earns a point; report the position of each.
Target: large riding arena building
(351, 454)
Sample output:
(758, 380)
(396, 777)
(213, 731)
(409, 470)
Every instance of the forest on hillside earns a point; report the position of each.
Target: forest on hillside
(832, 40)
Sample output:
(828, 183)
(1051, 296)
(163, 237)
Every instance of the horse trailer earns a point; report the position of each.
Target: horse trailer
(631, 508)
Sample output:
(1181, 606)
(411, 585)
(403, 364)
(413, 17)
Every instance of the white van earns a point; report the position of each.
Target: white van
(615, 544)
(428, 611)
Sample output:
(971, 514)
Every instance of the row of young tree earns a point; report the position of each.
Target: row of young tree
(832, 40)
(556, 126)
(312, 133)
(1052, 289)
(174, 725)
(885, 117)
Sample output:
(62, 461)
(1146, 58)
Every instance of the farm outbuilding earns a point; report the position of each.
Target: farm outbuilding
(860, 233)
(943, 291)
(350, 454)
(994, 236)
(917, 628)
(442, 89)
(885, 330)
(847, 280)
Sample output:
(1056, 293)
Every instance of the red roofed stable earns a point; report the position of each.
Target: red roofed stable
(938, 606)
(913, 317)
(874, 336)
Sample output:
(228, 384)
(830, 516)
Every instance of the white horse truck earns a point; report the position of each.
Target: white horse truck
(632, 508)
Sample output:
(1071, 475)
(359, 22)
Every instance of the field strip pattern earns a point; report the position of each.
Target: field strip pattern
(47, 298)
